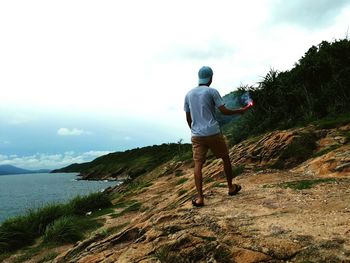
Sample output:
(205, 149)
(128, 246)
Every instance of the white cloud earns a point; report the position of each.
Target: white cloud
(4, 142)
(19, 119)
(72, 132)
(50, 161)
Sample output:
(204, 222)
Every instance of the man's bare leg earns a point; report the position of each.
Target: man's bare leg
(198, 178)
(228, 172)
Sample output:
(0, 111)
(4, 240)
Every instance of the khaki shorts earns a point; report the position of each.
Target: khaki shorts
(201, 144)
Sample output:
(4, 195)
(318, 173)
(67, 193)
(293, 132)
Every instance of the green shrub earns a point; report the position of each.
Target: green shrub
(238, 170)
(15, 233)
(132, 208)
(326, 150)
(181, 181)
(20, 231)
(43, 216)
(66, 229)
(298, 151)
(49, 256)
(333, 122)
(306, 184)
(80, 205)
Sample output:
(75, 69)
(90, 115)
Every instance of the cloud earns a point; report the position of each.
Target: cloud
(5, 142)
(72, 132)
(19, 119)
(203, 50)
(307, 13)
(50, 161)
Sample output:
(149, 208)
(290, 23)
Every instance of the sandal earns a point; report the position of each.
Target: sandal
(237, 189)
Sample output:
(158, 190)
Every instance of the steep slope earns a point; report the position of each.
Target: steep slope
(294, 215)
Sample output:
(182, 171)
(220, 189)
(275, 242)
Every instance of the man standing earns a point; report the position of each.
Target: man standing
(200, 104)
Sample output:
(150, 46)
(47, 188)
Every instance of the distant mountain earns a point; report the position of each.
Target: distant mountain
(10, 169)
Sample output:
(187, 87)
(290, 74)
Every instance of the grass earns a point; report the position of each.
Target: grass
(28, 254)
(238, 170)
(164, 256)
(65, 229)
(80, 205)
(326, 150)
(182, 192)
(219, 184)
(102, 212)
(333, 122)
(132, 208)
(178, 173)
(48, 257)
(305, 184)
(123, 204)
(209, 179)
(112, 230)
(23, 230)
(186, 155)
(137, 185)
(181, 181)
(296, 152)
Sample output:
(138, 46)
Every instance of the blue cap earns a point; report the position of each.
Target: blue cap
(204, 74)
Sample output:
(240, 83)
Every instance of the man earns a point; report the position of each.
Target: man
(200, 104)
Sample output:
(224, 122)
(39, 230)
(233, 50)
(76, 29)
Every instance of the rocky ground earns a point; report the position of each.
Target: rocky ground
(300, 213)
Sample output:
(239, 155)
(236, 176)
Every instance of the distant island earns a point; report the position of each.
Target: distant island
(7, 169)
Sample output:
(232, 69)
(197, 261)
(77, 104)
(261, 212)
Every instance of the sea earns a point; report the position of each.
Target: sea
(21, 192)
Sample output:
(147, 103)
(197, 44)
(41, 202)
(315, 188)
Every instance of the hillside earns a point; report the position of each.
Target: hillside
(295, 212)
(10, 169)
(129, 164)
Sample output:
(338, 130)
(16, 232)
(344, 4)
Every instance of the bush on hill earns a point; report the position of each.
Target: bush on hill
(317, 87)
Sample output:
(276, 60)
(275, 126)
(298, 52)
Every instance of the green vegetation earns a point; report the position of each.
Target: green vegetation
(48, 257)
(298, 151)
(326, 150)
(181, 181)
(306, 184)
(135, 162)
(316, 88)
(178, 173)
(111, 230)
(209, 179)
(219, 184)
(65, 229)
(182, 192)
(134, 207)
(21, 231)
(28, 254)
(238, 170)
(333, 121)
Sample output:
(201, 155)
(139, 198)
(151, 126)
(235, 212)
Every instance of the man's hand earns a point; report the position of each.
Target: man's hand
(227, 111)
(250, 104)
(189, 119)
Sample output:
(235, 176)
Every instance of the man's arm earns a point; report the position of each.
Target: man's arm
(227, 111)
(189, 119)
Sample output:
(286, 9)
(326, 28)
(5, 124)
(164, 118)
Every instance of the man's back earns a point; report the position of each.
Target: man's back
(201, 103)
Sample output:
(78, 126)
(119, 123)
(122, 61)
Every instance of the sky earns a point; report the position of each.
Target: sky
(79, 79)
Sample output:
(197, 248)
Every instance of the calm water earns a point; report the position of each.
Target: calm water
(22, 191)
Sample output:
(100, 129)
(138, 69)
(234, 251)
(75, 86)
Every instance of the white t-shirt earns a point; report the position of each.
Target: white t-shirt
(201, 103)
